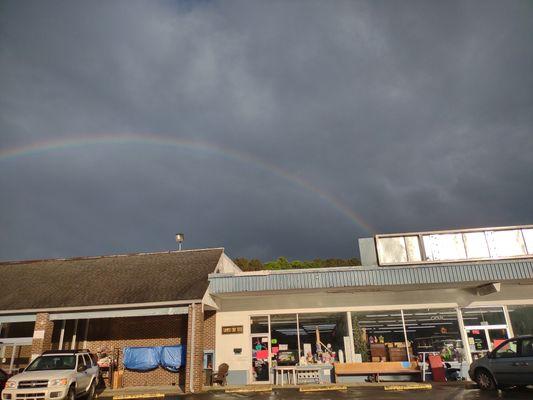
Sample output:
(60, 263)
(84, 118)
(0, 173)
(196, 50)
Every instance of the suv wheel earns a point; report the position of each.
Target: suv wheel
(71, 394)
(91, 391)
(484, 380)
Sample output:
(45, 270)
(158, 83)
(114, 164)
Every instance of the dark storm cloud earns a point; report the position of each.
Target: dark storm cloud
(414, 115)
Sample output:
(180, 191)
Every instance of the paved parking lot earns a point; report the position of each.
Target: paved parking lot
(437, 393)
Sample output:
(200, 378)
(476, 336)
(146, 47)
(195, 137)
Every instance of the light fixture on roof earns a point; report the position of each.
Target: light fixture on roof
(180, 237)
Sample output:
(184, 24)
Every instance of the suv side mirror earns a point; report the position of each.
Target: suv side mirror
(82, 367)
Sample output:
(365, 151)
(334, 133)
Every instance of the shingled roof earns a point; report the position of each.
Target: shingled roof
(107, 280)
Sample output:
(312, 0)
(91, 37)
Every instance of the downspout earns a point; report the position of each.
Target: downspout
(191, 368)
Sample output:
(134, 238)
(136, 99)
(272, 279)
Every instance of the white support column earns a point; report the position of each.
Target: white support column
(85, 333)
(405, 337)
(352, 342)
(2, 348)
(508, 321)
(74, 335)
(3, 351)
(464, 338)
(62, 334)
(11, 364)
(298, 335)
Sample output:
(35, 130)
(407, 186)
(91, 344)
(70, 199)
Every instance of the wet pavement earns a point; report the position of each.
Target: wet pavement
(437, 393)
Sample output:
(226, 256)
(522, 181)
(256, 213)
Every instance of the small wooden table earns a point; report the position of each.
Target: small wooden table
(282, 370)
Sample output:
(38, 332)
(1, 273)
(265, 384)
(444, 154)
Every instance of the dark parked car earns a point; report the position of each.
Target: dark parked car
(3, 379)
(509, 364)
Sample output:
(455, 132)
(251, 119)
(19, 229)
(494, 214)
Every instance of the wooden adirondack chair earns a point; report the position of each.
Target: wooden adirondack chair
(220, 376)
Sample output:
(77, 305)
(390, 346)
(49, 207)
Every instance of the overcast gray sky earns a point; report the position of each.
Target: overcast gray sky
(268, 127)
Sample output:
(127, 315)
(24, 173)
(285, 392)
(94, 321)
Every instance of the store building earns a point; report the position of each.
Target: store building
(455, 293)
(105, 304)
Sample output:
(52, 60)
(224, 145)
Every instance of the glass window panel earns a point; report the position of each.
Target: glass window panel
(527, 348)
(17, 329)
(506, 243)
(322, 336)
(476, 245)
(521, 319)
(284, 339)
(528, 237)
(375, 332)
(483, 316)
(413, 248)
(260, 364)
(445, 247)
(259, 324)
(434, 331)
(477, 341)
(391, 250)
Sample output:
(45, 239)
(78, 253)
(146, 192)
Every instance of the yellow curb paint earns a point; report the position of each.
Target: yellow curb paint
(321, 388)
(425, 386)
(138, 396)
(248, 390)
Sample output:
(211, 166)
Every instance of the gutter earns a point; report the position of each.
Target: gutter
(101, 307)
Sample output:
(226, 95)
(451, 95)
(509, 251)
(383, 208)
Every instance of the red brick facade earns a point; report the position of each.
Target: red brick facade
(209, 329)
(111, 335)
(42, 335)
(195, 353)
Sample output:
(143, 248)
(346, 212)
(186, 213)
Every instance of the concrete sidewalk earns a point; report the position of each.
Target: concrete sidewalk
(171, 391)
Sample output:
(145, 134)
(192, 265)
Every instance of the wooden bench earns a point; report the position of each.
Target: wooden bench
(375, 369)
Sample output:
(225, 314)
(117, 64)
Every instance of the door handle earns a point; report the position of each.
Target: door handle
(516, 364)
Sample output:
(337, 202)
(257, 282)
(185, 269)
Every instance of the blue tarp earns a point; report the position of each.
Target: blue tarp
(142, 358)
(173, 357)
(148, 358)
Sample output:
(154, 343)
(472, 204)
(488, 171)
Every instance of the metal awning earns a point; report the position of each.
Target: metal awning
(375, 277)
(17, 318)
(137, 312)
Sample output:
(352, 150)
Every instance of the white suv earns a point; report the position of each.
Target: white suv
(55, 375)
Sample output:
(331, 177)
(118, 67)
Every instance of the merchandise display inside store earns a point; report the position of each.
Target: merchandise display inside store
(404, 335)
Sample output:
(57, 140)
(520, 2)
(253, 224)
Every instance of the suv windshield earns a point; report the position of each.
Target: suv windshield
(45, 363)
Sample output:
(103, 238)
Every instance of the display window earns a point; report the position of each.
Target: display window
(483, 316)
(284, 339)
(322, 337)
(434, 331)
(521, 319)
(375, 333)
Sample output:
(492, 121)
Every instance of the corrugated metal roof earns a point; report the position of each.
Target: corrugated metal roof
(329, 278)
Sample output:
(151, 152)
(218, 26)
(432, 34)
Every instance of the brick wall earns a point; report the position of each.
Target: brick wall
(209, 329)
(196, 353)
(22, 357)
(116, 333)
(42, 335)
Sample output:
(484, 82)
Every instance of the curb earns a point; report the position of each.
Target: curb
(322, 388)
(401, 388)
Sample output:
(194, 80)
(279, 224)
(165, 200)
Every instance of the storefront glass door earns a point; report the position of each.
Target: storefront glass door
(260, 342)
(485, 329)
(482, 339)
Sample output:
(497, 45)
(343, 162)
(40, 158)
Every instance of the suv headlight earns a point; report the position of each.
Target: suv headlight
(11, 384)
(58, 382)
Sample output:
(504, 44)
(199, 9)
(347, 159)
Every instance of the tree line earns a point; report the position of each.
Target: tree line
(283, 263)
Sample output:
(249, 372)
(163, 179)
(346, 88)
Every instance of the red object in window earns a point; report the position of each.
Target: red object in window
(262, 355)
(497, 342)
(475, 332)
(437, 368)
